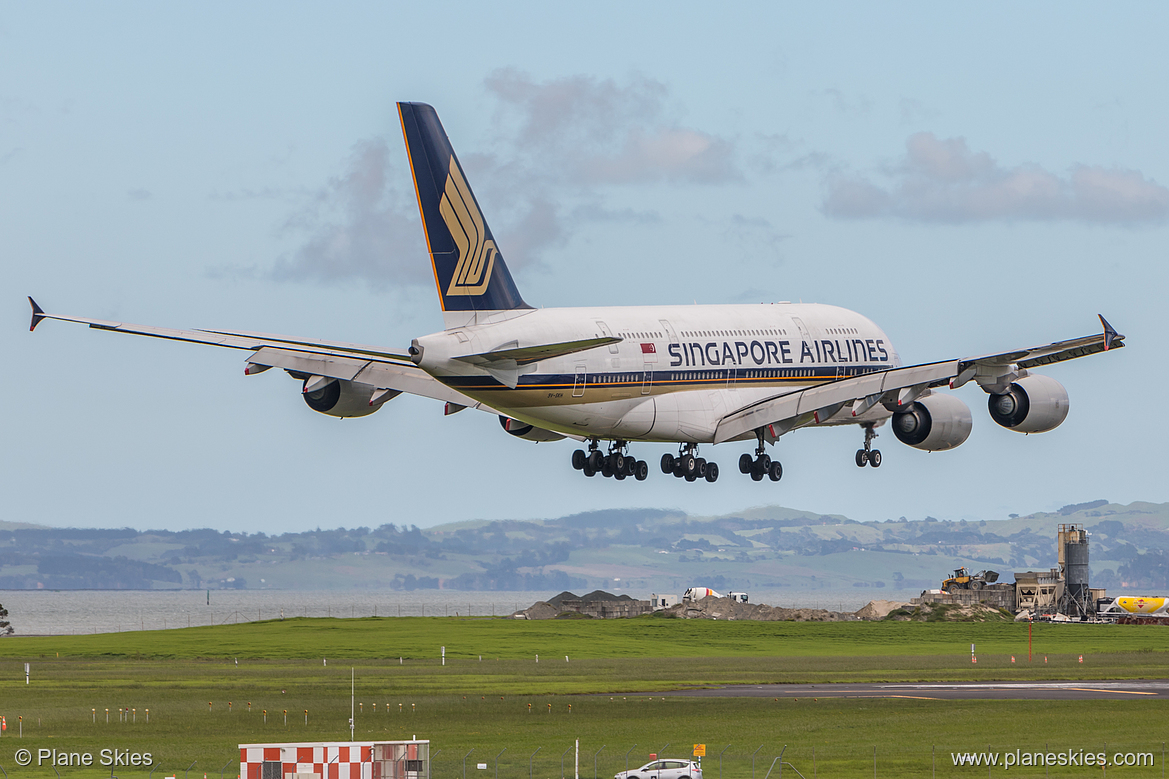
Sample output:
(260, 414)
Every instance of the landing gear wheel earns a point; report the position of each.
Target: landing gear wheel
(775, 472)
(745, 463)
(691, 476)
(589, 470)
(607, 467)
(690, 466)
(619, 475)
(756, 475)
(679, 467)
(578, 459)
(712, 472)
(765, 462)
(862, 458)
(667, 463)
(596, 460)
(640, 470)
(618, 462)
(700, 468)
(875, 458)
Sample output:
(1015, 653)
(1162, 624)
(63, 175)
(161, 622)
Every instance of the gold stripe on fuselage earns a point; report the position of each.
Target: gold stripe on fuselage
(615, 388)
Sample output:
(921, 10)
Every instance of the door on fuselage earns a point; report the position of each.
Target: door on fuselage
(578, 386)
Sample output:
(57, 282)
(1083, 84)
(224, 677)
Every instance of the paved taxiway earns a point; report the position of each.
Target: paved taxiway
(1026, 691)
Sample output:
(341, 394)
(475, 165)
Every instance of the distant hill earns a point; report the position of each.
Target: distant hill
(633, 549)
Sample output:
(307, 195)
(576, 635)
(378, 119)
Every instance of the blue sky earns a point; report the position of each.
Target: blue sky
(973, 180)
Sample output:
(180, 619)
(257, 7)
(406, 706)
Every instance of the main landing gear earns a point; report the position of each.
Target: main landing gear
(688, 465)
(868, 455)
(617, 463)
(762, 464)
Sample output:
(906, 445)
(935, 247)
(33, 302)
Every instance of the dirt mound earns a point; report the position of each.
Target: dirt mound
(947, 612)
(538, 610)
(725, 608)
(879, 609)
(554, 606)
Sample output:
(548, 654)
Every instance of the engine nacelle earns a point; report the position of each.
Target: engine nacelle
(343, 398)
(933, 423)
(527, 432)
(1033, 404)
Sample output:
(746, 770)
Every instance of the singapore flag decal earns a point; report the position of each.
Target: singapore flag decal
(648, 349)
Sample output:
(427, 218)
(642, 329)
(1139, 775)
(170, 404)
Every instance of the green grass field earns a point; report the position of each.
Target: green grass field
(484, 705)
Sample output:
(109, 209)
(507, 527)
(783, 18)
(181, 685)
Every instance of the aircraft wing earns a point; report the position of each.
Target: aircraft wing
(815, 404)
(899, 387)
(302, 358)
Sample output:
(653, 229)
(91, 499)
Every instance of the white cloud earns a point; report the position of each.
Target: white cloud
(584, 131)
(942, 180)
(557, 146)
(360, 225)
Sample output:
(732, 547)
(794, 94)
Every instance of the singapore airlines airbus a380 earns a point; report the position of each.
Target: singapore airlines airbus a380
(608, 377)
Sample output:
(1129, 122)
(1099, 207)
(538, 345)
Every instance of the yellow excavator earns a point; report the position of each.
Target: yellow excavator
(964, 580)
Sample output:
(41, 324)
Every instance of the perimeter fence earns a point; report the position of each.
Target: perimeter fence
(1063, 759)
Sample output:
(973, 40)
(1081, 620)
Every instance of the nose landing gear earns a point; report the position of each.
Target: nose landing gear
(868, 455)
(688, 465)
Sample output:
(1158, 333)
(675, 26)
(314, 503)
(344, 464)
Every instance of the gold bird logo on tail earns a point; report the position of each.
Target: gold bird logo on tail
(465, 223)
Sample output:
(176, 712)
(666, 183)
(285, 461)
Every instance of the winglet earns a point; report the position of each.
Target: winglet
(38, 314)
(1109, 333)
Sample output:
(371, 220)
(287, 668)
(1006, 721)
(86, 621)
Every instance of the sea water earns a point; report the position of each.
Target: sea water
(64, 612)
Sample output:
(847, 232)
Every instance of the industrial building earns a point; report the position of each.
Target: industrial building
(1062, 592)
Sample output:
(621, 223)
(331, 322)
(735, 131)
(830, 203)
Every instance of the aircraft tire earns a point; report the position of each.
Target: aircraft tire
(744, 463)
(667, 463)
(641, 470)
(756, 475)
(589, 470)
(596, 459)
(700, 467)
(690, 476)
(712, 472)
(619, 475)
(862, 458)
(618, 462)
(875, 458)
(578, 459)
(775, 472)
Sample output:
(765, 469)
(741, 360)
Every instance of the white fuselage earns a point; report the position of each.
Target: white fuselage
(677, 371)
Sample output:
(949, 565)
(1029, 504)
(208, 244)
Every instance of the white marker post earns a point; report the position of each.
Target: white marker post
(26, 673)
(576, 768)
(444, 656)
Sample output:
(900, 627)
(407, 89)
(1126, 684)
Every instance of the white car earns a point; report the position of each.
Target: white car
(664, 769)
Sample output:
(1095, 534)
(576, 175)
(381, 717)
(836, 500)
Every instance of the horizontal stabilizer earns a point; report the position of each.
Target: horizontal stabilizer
(526, 355)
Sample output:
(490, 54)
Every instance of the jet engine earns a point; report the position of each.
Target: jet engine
(933, 423)
(343, 398)
(1033, 404)
(527, 432)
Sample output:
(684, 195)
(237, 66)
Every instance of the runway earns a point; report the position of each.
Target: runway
(949, 691)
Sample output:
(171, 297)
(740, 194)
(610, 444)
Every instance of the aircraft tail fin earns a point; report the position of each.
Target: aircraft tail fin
(468, 268)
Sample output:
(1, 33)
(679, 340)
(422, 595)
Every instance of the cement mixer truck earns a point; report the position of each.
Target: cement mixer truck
(1134, 606)
(695, 594)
